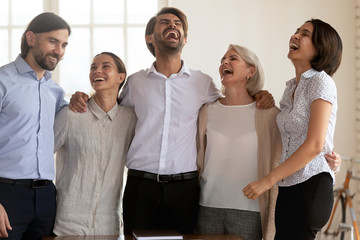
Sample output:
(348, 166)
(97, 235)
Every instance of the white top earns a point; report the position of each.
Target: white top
(91, 149)
(230, 157)
(293, 121)
(167, 111)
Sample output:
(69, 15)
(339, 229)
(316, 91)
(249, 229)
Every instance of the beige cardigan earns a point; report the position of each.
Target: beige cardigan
(269, 153)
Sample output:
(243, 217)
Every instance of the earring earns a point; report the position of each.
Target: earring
(247, 78)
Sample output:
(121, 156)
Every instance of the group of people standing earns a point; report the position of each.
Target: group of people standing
(184, 143)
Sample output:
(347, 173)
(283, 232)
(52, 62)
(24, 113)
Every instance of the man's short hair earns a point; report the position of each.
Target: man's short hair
(151, 24)
(44, 22)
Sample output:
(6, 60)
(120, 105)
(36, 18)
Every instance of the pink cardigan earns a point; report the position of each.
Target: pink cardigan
(269, 153)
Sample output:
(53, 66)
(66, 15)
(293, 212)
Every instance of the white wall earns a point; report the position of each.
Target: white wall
(265, 27)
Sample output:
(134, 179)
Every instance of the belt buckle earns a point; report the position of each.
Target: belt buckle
(158, 179)
(37, 183)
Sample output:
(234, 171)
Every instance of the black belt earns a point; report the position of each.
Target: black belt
(163, 178)
(32, 183)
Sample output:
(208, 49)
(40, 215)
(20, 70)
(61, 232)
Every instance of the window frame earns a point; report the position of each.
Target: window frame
(53, 6)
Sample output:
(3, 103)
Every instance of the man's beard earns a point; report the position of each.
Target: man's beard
(46, 65)
(166, 48)
(40, 58)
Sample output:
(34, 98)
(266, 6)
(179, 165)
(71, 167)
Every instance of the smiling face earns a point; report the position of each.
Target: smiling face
(104, 74)
(47, 49)
(234, 70)
(168, 35)
(301, 47)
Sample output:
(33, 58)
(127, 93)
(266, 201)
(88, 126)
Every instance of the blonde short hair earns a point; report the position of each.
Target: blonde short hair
(256, 82)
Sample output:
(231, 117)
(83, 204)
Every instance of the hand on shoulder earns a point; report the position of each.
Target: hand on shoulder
(78, 102)
(264, 100)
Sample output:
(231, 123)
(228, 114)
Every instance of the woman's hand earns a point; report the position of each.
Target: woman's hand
(254, 189)
(334, 161)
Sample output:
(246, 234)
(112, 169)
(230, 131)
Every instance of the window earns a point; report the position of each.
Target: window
(12, 25)
(97, 25)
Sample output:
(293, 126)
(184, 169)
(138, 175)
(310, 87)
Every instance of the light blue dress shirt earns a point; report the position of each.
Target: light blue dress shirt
(27, 112)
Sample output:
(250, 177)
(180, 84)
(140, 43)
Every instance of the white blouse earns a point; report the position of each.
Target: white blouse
(293, 121)
(230, 157)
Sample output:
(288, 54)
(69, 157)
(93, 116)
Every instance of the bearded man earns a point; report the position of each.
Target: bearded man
(29, 100)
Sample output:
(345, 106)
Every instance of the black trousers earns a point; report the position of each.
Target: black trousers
(303, 209)
(31, 211)
(148, 204)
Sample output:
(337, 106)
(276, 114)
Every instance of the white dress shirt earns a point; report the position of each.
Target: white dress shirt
(91, 149)
(167, 111)
(293, 121)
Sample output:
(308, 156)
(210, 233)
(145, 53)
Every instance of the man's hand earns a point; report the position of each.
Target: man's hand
(264, 99)
(334, 161)
(78, 102)
(4, 222)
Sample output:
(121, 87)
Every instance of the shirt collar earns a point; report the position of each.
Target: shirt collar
(184, 70)
(305, 75)
(23, 67)
(99, 113)
(309, 73)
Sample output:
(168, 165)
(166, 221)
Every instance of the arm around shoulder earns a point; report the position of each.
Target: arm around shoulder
(78, 102)
(264, 100)
(61, 128)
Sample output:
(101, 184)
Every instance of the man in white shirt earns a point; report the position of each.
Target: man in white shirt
(162, 189)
